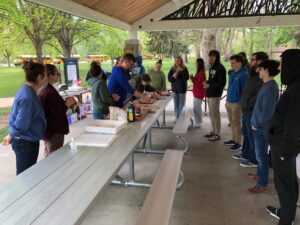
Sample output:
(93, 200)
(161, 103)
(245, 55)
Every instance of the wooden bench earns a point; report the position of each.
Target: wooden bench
(182, 125)
(158, 204)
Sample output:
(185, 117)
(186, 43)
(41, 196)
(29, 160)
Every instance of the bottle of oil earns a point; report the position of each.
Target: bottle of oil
(131, 113)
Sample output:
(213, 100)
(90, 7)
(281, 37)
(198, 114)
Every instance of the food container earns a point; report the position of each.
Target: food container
(94, 140)
(104, 126)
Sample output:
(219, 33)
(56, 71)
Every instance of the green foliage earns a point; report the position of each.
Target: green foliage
(169, 43)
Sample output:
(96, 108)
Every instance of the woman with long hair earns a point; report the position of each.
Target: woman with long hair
(198, 90)
(27, 122)
(55, 108)
(178, 76)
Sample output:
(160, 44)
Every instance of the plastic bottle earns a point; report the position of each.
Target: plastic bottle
(131, 113)
(88, 103)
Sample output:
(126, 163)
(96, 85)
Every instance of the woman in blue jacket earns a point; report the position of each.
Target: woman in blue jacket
(27, 120)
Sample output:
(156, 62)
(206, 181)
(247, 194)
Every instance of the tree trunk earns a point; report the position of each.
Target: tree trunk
(208, 43)
(219, 35)
(270, 42)
(251, 41)
(228, 47)
(39, 51)
(244, 39)
(187, 43)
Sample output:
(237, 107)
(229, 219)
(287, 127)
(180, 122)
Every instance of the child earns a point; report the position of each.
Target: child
(100, 95)
(143, 84)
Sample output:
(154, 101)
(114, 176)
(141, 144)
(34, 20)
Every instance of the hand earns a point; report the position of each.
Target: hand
(115, 97)
(205, 85)
(7, 140)
(282, 158)
(178, 69)
(70, 101)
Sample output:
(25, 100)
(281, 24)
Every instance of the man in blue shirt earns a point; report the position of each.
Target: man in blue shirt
(118, 82)
(237, 79)
(266, 101)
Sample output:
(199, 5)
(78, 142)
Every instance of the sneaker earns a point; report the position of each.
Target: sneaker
(238, 156)
(229, 143)
(247, 163)
(236, 147)
(216, 137)
(257, 189)
(197, 125)
(209, 135)
(273, 211)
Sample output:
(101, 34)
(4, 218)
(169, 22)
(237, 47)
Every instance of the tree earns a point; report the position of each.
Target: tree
(71, 30)
(8, 38)
(169, 43)
(228, 44)
(36, 21)
(208, 43)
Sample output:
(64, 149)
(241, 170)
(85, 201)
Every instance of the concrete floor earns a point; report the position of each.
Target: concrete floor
(215, 191)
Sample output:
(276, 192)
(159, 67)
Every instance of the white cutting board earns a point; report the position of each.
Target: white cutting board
(104, 126)
(94, 139)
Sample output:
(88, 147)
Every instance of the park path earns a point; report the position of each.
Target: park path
(6, 102)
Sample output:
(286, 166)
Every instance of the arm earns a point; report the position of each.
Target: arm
(221, 79)
(125, 85)
(290, 139)
(104, 93)
(170, 76)
(269, 103)
(23, 118)
(164, 85)
(185, 74)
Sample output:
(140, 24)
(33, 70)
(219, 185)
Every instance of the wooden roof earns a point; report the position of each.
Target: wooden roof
(126, 10)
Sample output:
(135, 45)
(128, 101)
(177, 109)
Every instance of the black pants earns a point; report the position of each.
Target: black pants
(286, 184)
(26, 153)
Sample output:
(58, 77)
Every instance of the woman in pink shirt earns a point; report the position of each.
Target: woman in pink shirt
(198, 90)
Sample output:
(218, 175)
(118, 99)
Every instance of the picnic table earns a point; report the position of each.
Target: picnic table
(61, 188)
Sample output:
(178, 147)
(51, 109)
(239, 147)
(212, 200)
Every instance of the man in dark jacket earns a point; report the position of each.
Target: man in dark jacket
(284, 139)
(248, 99)
(214, 89)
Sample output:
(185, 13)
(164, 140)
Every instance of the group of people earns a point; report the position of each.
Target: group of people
(254, 108)
(268, 122)
(38, 112)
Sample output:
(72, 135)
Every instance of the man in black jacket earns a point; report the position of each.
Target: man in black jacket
(284, 139)
(214, 89)
(248, 99)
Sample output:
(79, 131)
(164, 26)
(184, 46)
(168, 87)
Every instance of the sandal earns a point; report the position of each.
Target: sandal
(209, 135)
(216, 137)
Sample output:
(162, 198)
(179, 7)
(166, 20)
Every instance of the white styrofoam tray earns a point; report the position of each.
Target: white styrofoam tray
(104, 126)
(94, 140)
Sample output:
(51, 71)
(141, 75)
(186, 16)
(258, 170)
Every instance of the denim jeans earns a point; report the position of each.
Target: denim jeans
(179, 102)
(98, 116)
(198, 110)
(26, 153)
(248, 150)
(261, 151)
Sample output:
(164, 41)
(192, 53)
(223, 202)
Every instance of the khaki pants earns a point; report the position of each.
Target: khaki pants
(214, 114)
(234, 117)
(53, 143)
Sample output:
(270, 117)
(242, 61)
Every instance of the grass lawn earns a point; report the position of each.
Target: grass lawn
(11, 79)
(4, 131)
